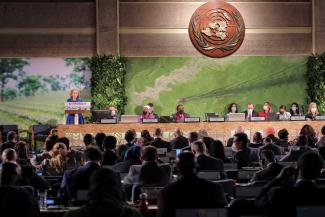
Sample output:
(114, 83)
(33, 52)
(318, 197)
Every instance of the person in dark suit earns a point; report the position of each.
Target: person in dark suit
(11, 142)
(257, 140)
(149, 172)
(204, 161)
(132, 157)
(270, 167)
(179, 141)
(230, 141)
(189, 192)
(268, 144)
(296, 152)
(158, 142)
(130, 138)
(245, 155)
(283, 201)
(78, 179)
(105, 197)
(250, 112)
(109, 156)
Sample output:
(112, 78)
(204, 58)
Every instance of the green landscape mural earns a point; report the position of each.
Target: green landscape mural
(33, 90)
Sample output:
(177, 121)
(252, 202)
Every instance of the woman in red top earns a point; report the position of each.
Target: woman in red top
(267, 108)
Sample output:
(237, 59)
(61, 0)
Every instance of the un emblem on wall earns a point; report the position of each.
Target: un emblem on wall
(217, 29)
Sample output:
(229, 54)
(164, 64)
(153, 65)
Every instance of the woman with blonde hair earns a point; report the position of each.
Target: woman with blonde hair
(74, 97)
(312, 111)
(267, 108)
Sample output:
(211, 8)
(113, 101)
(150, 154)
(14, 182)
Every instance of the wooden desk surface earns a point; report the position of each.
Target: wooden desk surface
(219, 130)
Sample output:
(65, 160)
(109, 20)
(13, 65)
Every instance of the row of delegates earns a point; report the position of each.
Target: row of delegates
(148, 113)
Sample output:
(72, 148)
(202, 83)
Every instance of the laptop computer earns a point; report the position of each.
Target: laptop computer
(98, 115)
(272, 116)
(129, 118)
(236, 117)
(165, 119)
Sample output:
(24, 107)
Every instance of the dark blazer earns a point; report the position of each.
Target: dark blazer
(6, 145)
(79, 179)
(206, 162)
(189, 193)
(159, 143)
(268, 173)
(293, 155)
(179, 142)
(276, 149)
(254, 113)
(245, 157)
(284, 200)
(255, 145)
(109, 157)
(124, 166)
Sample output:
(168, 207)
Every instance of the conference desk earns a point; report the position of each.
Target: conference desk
(218, 130)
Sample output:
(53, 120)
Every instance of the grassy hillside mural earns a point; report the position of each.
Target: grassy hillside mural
(208, 85)
(33, 90)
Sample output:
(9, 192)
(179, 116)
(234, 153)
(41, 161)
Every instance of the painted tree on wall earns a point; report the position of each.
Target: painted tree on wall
(54, 82)
(80, 67)
(10, 68)
(29, 85)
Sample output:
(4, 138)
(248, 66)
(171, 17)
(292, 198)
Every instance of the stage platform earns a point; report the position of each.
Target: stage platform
(219, 130)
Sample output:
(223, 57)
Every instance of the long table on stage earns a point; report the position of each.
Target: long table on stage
(219, 130)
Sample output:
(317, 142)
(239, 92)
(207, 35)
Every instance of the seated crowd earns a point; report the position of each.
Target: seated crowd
(113, 175)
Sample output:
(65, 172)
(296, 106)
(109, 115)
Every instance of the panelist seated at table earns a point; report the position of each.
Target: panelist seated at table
(267, 109)
(312, 111)
(112, 112)
(283, 114)
(74, 97)
(250, 112)
(146, 113)
(151, 110)
(294, 109)
(233, 108)
(180, 114)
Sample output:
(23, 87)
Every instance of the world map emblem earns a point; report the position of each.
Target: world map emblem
(217, 29)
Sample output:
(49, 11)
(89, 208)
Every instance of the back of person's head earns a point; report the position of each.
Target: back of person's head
(194, 136)
(268, 141)
(19, 197)
(242, 139)
(145, 134)
(198, 147)
(65, 141)
(202, 133)
(99, 139)
(120, 149)
(178, 132)
(109, 143)
(186, 164)
(93, 153)
(323, 130)
(149, 154)
(50, 142)
(283, 134)
(12, 136)
(158, 132)
(217, 149)
(105, 184)
(129, 136)
(132, 153)
(267, 156)
(88, 139)
(257, 138)
(310, 164)
(302, 140)
(9, 174)
(22, 150)
(308, 130)
(9, 155)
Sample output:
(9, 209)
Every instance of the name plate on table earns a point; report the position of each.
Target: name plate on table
(216, 119)
(150, 120)
(257, 118)
(298, 118)
(192, 120)
(77, 106)
(108, 121)
(320, 118)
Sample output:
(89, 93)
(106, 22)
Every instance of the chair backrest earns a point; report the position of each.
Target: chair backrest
(286, 164)
(250, 191)
(230, 166)
(246, 174)
(209, 175)
(228, 186)
(221, 212)
(313, 211)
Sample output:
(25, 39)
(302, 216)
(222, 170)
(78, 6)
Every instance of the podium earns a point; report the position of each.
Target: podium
(77, 108)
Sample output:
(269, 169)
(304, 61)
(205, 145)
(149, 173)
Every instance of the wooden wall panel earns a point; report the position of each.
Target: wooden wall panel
(180, 45)
(320, 26)
(47, 15)
(177, 15)
(46, 45)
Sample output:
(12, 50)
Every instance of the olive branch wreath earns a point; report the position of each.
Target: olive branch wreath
(206, 46)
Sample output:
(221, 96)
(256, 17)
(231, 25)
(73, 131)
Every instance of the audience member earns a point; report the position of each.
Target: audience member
(10, 173)
(309, 131)
(268, 144)
(296, 152)
(12, 139)
(179, 141)
(75, 155)
(109, 156)
(147, 138)
(99, 139)
(257, 140)
(217, 150)
(47, 153)
(230, 141)
(245, 155)
(88, 140)
(132, 157)
(158, 142)
(270, 133)
(203, 194)
(283, 139)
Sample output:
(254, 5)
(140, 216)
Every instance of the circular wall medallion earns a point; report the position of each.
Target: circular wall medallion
(217, 29)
